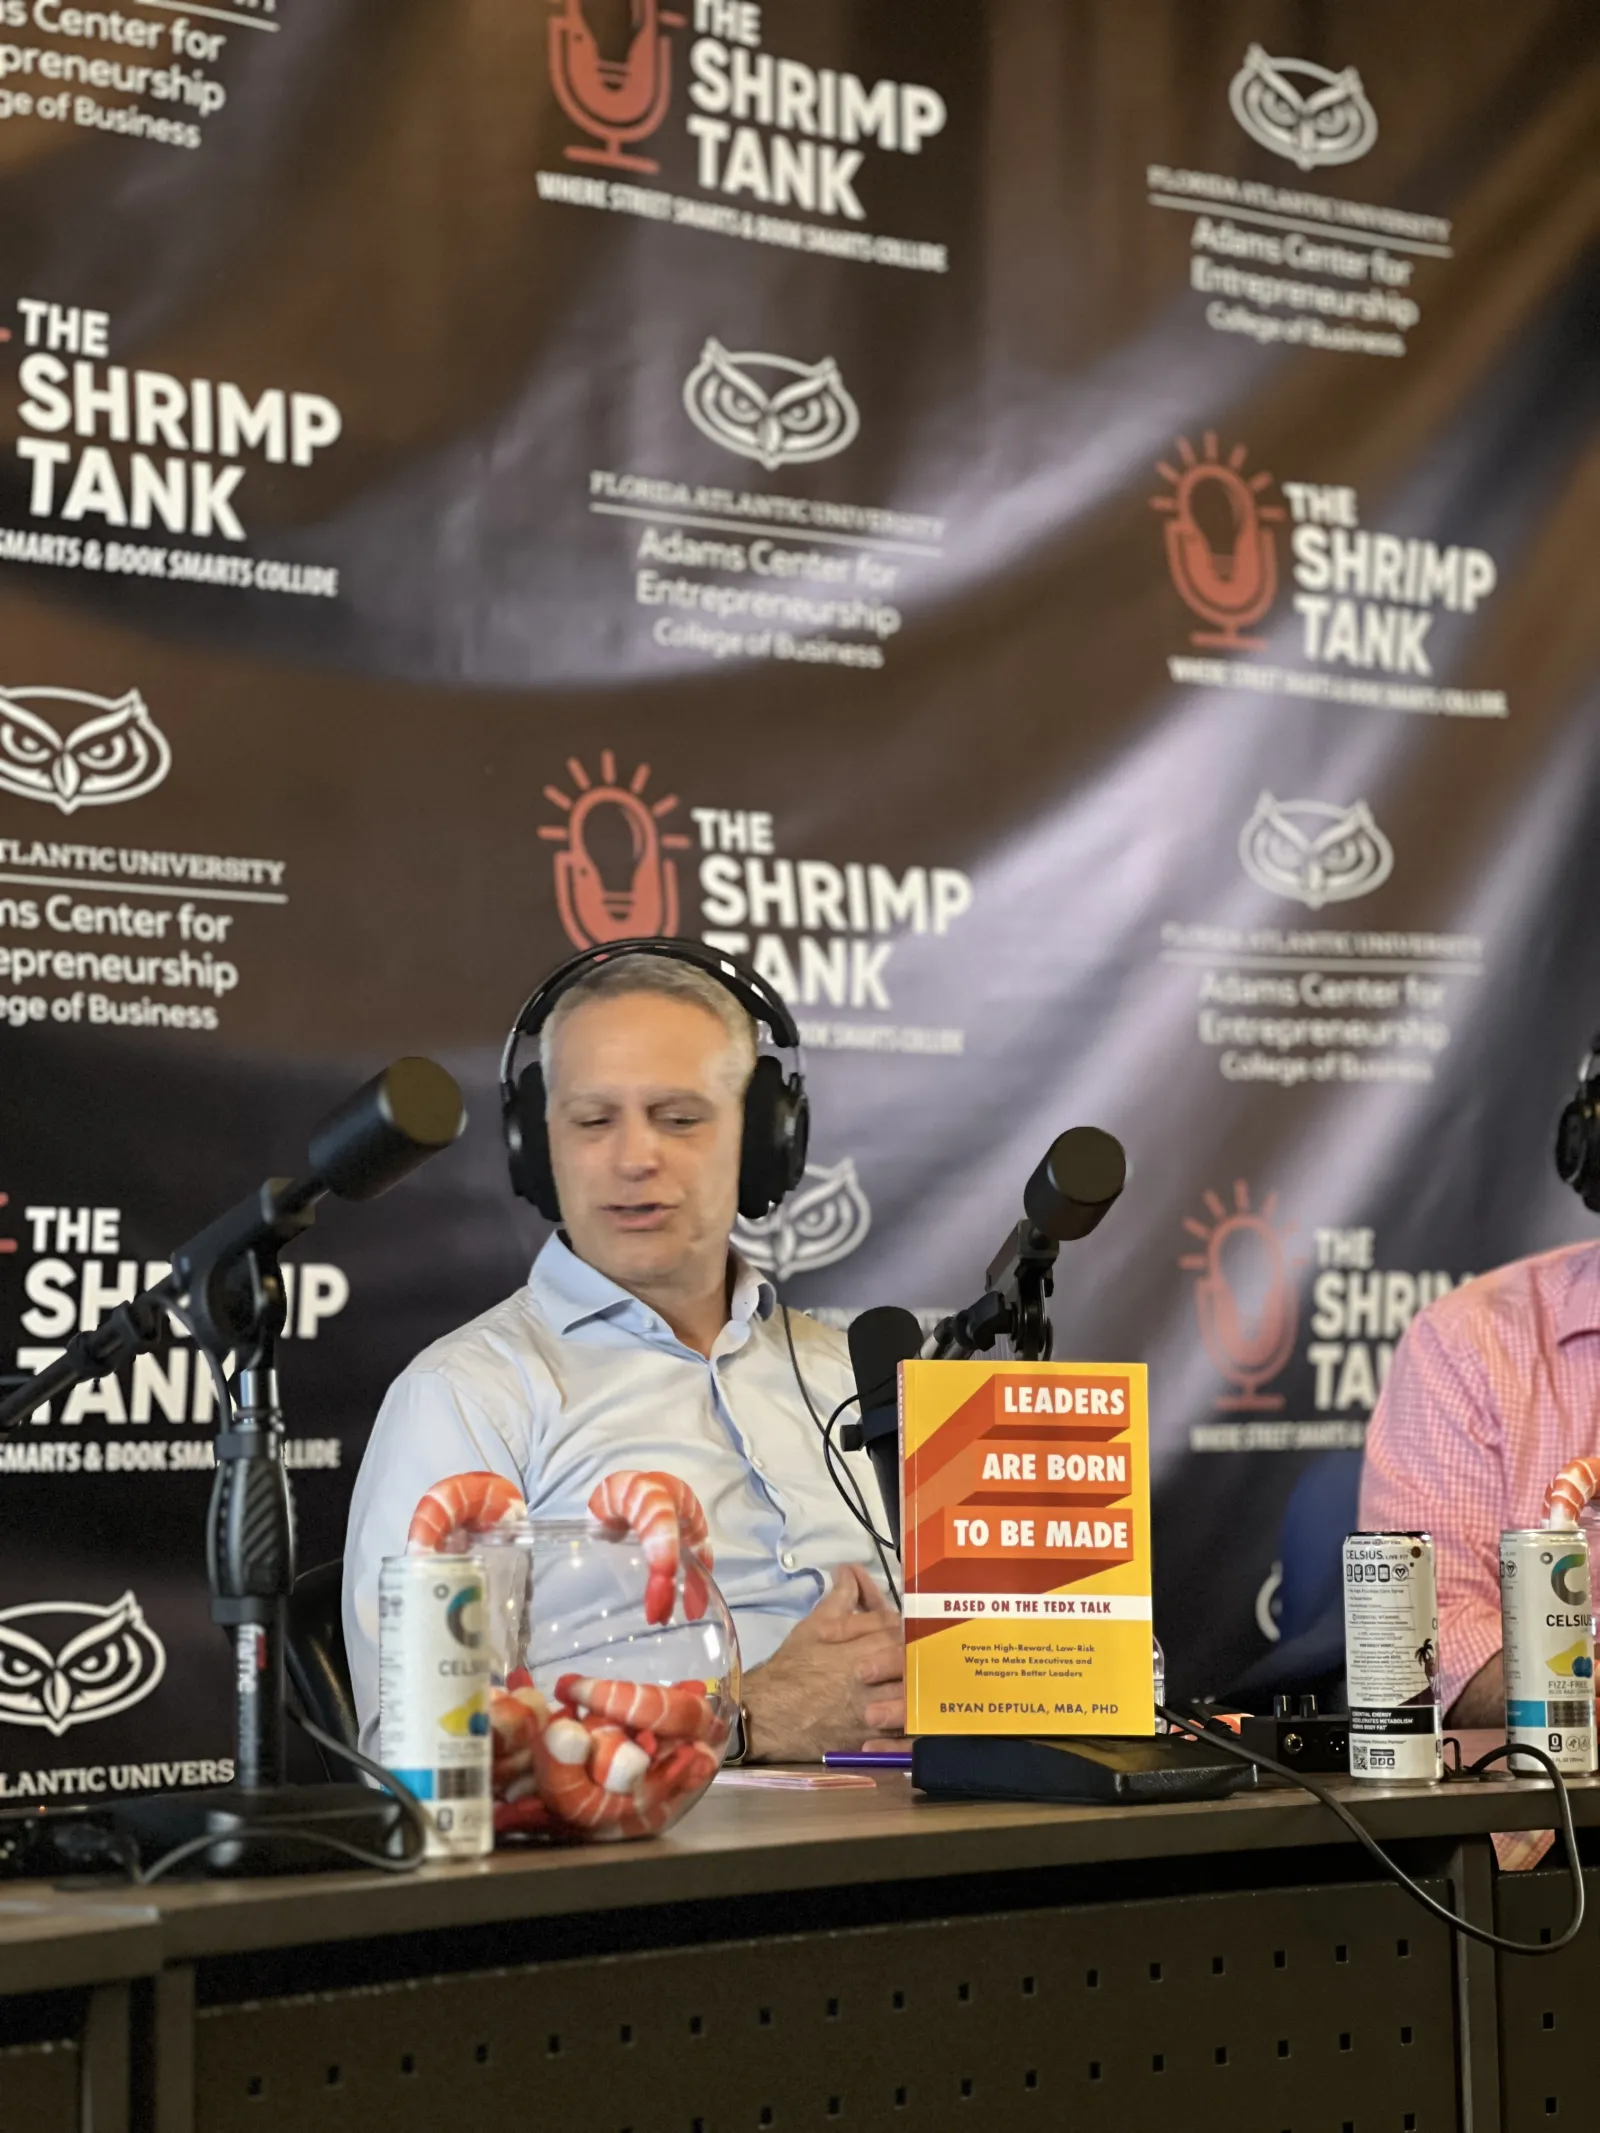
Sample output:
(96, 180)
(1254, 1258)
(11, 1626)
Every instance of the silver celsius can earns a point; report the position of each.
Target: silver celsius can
(433, 1695)
(1547, 1627)
(1391, 1650)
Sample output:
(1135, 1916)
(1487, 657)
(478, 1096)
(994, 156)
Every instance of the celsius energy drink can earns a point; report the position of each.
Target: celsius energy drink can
(1391, 1650)
(433, 1695)
(1547, 1622)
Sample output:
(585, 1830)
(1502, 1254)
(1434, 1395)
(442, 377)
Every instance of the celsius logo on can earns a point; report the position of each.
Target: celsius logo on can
(1569, 1590)
(460, 1614)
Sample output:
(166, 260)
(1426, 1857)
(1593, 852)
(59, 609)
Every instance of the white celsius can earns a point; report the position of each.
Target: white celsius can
(1391, 1650)
(1547, 1624)
(433, 1695)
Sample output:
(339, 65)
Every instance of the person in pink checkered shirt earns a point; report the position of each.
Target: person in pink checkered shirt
(1493, 1389)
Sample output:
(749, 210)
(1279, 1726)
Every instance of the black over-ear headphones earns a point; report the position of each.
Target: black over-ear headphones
(777, 1115)
(1578, 1134)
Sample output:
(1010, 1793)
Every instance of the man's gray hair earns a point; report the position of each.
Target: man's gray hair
(670, 979)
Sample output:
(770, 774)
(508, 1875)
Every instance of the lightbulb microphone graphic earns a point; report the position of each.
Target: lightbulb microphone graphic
(615, 100)
(1245, 1300)
(615, 880)
(1221, 551)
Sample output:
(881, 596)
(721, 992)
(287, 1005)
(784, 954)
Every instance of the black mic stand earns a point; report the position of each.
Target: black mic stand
(226, 1286)
(1014, 1306)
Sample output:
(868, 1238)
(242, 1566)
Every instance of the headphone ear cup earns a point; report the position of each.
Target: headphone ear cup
(1578, 1148)
(528, 1143)
(772, 1155)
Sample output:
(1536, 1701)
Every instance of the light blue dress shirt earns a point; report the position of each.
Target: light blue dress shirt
(571, 1379)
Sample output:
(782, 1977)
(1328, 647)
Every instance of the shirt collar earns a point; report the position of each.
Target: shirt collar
(570, 1293)
(1579, 1310)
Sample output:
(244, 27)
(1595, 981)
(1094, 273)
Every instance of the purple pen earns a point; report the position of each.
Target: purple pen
(869, 1759)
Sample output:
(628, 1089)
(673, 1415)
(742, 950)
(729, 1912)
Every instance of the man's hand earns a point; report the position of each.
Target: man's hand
(836, 1680)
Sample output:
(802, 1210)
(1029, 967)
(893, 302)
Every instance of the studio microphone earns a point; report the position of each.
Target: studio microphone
(370, 1141)
(389, 1126)
(1071, 1193)
(1077, 1184)
(880, 1341)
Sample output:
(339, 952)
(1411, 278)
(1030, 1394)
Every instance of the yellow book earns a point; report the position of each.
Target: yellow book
(1026, 1530)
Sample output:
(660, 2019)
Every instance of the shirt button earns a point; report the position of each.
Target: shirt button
(758, 1463)
(787, 1560)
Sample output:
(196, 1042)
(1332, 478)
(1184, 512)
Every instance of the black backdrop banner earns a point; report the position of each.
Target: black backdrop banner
(1063, 531)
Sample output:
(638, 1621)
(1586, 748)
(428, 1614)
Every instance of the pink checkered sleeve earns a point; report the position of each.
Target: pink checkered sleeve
(1435, 1463)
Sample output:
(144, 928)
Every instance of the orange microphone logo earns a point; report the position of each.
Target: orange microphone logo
(1246, 1299)
(614, 880)
(1221, 550)
(615, 100)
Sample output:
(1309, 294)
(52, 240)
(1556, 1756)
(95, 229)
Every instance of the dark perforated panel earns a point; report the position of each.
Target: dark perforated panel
(39, 2087)
(1547, 2006)
(1283, 2011)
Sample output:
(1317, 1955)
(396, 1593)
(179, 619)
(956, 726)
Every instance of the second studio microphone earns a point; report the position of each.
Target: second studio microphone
(880, 1341)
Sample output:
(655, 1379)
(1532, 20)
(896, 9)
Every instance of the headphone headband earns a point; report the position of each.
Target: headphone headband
(758, 999)
(777, 1117)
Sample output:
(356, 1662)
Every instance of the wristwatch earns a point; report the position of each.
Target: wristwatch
(738, 1748)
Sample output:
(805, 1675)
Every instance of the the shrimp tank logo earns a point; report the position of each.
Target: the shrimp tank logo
(1221, 550)
(75, 1663)
(821, 1222)
(1246, 1298)
(1314, 851)
(619, 97)
(1305, 113)
(769, 407)
(614, 876)
(50, 751)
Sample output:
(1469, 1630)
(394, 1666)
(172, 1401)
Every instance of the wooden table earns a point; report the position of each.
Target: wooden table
(861, 1958)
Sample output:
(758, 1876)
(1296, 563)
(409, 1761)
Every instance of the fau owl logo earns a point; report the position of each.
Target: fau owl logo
(821, 1222)
(101, 1660)
(770, 408)
(1221, 551)
(614, 880)
(1302, 111)
(1246, 1299)
(119, 754)
(616, 100)
(1315, 852)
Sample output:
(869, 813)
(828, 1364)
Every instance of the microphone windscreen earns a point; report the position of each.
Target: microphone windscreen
(390, 1125)
(880, 1341)
(1076, 1183)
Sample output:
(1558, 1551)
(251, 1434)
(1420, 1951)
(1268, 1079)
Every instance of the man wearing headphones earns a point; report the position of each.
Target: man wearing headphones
(1494, 1388)
(640, 1339)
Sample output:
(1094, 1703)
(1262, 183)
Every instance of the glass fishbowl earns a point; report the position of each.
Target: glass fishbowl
(606, 1724)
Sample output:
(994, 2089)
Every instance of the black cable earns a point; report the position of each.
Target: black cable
(857, 1509)
(405, 1799)
(218, 1375)
(1220, 1737)
(851, 1399)
(410, 1806)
